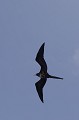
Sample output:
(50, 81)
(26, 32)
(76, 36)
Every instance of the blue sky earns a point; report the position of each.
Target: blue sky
(24, 26)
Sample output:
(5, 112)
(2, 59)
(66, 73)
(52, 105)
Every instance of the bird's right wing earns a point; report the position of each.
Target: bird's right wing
(39, 87)
(40, 58)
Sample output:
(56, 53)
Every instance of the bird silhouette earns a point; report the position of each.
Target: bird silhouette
(43, 74)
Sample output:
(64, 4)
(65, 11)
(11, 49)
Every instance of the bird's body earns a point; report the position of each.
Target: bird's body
(43, 72)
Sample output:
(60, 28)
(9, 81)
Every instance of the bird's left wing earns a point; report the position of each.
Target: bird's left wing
(39, 87)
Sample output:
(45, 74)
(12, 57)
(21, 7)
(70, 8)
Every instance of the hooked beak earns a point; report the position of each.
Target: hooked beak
(34, 75)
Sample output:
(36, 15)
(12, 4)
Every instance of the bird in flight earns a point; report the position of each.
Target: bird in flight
(43, 74)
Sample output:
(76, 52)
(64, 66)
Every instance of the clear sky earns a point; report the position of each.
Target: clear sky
(24, 26)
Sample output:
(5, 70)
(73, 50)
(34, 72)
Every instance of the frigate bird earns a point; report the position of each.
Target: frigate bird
(43, 74)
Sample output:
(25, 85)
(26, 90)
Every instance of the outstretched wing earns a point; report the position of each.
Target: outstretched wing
(40, 58)
(39, 87)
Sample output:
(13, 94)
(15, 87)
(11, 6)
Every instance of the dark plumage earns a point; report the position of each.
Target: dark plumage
(43, 72)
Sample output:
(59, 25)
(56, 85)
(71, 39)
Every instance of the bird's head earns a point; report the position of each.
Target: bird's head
(38, 74)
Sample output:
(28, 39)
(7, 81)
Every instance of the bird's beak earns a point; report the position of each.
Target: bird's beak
(34, 75)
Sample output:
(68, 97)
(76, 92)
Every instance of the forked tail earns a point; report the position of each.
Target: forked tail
(50, 76)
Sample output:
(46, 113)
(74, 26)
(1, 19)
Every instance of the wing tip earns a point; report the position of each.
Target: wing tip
(44, 43)
(42, 101)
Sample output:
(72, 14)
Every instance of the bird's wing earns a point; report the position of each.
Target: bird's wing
(40, 58)
(39, 87)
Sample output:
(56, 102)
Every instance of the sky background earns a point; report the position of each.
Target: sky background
(24, 26)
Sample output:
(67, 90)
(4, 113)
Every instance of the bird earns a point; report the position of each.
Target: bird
(43, 74)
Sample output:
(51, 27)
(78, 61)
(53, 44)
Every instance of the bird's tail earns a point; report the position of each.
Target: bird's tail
(50, 76)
